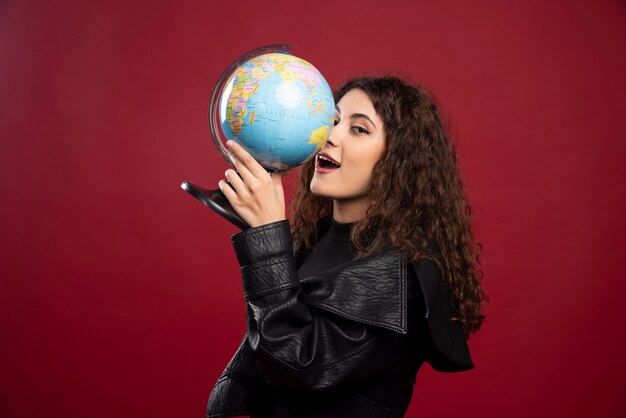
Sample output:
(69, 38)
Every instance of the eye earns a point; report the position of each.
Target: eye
(337, 118)
(359, 129)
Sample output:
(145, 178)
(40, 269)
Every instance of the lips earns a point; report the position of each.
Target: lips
(326, 163)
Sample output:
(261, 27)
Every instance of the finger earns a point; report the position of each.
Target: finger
(236, 182)
(246, 159)
(242, 169)
(228, 191)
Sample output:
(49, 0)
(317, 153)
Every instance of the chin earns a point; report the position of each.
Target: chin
(319, 190)
(316, 190)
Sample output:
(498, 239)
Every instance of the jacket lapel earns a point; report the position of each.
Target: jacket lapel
(371, 290)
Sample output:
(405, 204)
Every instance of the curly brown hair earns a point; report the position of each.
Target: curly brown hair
(423, 205)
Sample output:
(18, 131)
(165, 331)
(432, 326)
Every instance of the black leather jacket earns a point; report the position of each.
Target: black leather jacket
(321, 346)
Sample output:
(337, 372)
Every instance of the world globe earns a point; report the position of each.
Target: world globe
(277, 106)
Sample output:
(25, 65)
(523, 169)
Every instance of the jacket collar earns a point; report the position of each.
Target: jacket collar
(371, 290)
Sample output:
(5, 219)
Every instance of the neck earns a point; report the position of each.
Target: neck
(346, 211)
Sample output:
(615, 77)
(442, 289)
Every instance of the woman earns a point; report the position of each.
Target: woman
(383, 276)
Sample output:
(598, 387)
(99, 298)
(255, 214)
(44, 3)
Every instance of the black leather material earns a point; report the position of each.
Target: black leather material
(349, 291)
(241, 387)
(317, 345)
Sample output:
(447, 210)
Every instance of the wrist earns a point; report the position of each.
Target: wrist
(268, 221)
(263, 242)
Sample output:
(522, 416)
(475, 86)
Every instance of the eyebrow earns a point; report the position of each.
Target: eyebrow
(357, 116)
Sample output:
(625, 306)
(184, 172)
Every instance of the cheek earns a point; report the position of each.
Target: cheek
(364, 165)
(363, 177)
(356, 179)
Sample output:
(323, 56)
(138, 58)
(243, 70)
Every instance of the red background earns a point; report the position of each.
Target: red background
(120, 294)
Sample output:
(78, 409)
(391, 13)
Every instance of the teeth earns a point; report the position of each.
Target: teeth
(321, 157)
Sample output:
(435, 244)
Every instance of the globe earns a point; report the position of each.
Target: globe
(277, 106)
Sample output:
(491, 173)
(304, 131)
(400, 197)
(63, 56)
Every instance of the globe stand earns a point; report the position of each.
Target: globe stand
(215, 200)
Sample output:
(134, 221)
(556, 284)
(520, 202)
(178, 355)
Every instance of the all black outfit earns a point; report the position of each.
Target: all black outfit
(331, 335)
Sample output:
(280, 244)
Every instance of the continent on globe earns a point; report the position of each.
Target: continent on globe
(319, 137)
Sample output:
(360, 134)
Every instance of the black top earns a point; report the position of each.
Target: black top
(396, 386)
(333, 249)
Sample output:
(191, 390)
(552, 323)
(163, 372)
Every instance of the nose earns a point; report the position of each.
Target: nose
(331, 140)
(333, 137)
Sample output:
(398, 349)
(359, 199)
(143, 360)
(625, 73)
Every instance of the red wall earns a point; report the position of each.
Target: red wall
(120, 295)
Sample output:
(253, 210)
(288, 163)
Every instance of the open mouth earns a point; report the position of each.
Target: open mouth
(326, 164)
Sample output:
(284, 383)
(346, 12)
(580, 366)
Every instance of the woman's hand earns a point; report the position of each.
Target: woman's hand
(256, 196)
